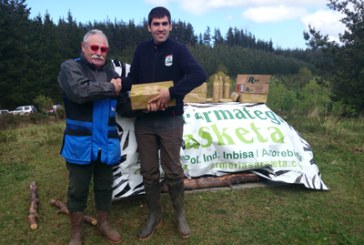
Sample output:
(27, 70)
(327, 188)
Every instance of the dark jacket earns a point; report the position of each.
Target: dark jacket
(90, 106)
(170, 60)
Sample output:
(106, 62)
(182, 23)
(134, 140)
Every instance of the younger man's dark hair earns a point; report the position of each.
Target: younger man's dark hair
(159, 12)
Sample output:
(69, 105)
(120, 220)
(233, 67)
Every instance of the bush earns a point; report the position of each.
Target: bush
(313, 98)
(280, 99)
(43, 103)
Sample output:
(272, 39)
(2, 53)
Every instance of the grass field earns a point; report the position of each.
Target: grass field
(287, 214)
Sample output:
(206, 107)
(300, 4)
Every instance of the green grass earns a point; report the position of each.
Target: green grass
(288, 214)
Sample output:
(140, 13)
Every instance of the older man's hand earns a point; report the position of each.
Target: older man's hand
(117, 85)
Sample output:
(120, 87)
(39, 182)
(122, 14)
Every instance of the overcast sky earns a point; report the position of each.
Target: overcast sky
(282, 21)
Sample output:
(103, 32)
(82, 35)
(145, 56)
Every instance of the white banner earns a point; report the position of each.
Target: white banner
(227, 138)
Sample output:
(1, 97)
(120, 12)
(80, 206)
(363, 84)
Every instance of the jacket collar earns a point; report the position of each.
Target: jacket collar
(161, 45)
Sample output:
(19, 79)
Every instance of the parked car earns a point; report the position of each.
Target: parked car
(24, 109)
(4, 112)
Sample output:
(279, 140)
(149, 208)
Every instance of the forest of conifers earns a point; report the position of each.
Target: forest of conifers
(31, 51)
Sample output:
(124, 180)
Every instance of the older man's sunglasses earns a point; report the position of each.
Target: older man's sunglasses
(96, 48)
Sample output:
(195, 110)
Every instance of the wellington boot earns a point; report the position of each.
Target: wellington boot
(76, 228)
(105, 228)
(152, 192)
(176, 192)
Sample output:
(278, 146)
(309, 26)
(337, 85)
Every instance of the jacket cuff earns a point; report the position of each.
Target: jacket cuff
(171, 93)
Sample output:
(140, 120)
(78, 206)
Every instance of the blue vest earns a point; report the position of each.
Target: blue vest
(91, 133)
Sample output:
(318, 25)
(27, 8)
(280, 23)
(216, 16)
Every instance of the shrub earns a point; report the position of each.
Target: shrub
(43, 103)
(280, 99)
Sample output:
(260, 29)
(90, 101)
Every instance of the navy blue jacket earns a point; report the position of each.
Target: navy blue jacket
(170, 60)
(90, 104)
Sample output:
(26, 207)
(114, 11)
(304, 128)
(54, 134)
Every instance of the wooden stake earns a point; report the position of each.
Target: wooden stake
(64, 210)
(33, 210)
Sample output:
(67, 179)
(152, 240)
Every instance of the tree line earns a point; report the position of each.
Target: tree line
(32, 49)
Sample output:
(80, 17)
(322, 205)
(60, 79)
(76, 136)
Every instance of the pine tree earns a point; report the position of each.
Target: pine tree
(14, 52)
(344, 61)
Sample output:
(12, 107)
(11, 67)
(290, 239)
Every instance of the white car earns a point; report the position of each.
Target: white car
(4, 112)
(25, 109)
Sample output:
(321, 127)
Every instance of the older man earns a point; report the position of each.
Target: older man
(91, 144)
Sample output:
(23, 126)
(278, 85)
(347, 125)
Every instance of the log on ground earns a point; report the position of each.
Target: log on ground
(62, 208)
(206, 182)
(33, 209)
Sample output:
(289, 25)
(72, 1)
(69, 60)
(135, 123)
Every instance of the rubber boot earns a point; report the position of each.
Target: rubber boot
(105, 228)
(76, 228)
(152, 192)
(176, 192)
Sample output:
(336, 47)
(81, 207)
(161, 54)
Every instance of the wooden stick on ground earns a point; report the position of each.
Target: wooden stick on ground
(217, 181)
(64, 210)
(62, 207)
(33, 210)
(220, 181)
